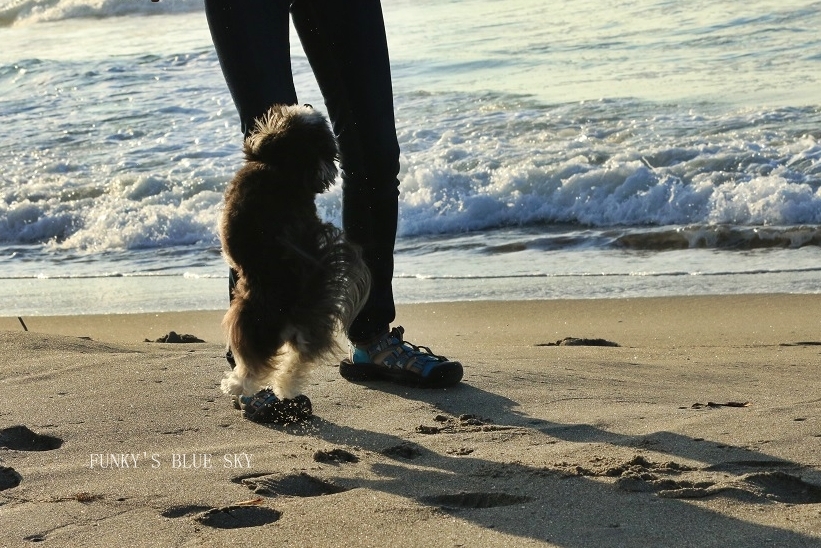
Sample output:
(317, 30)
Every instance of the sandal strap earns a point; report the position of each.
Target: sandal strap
(392, 351)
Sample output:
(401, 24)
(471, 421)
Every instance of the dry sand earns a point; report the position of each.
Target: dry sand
(570, 446)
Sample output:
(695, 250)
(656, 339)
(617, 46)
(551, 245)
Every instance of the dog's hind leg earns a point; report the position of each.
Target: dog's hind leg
(291, 372)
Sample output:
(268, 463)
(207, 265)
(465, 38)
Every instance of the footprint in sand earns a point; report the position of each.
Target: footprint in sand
(9, 478)
(640, 475)
(782, 487)
(20, 438)
(185, 510)
(774, 486)
(237, 517)
(739, 466)
(460, 501)
(292, 485)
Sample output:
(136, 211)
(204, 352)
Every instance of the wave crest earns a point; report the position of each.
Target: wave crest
(19, 12)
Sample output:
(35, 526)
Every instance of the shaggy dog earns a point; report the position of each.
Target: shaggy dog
(299, 279)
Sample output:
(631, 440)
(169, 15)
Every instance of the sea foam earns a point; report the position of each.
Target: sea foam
(17, 12)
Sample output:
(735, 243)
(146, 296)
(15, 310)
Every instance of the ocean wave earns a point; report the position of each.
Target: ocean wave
(15, 12)
(571, 238)
(722, 237)
(132, 152)
(496, 163)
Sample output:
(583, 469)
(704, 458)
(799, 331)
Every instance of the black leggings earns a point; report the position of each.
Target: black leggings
(345, 43)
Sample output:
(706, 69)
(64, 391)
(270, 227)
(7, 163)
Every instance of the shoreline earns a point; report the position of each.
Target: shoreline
(433, 277)
(668, 319)
(701, 428)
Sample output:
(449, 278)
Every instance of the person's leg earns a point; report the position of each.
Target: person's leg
(346, 46)
(251, 38)
(252, 43)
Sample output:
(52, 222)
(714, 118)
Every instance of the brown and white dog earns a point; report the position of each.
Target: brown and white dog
(299, 279)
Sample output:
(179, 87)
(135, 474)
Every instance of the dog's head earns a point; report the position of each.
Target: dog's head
(298, 140)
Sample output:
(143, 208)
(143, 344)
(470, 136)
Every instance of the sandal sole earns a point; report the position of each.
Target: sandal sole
(443, 376)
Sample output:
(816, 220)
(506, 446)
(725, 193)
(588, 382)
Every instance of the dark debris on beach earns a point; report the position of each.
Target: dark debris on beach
(173, 337)
(575, 341)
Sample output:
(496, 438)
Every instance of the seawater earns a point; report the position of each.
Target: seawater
(549, 150)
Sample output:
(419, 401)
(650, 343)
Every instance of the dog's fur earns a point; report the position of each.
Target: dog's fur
(299, 279)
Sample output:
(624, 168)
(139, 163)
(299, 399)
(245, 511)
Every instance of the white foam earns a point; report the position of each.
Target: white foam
(592, 175)
(35, 11)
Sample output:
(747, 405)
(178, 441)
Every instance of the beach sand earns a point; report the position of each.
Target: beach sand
(701, 429)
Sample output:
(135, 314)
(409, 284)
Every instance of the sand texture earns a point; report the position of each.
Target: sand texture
(701, 428)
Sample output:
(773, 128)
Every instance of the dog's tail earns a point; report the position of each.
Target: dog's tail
(253, 330)
(329, 295)
(298, 140)
(349, 280)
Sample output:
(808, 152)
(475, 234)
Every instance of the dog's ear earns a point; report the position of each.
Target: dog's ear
(296, 139)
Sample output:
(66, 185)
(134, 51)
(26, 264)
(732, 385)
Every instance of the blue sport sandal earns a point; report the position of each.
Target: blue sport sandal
(391, 358)
(265, 407)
